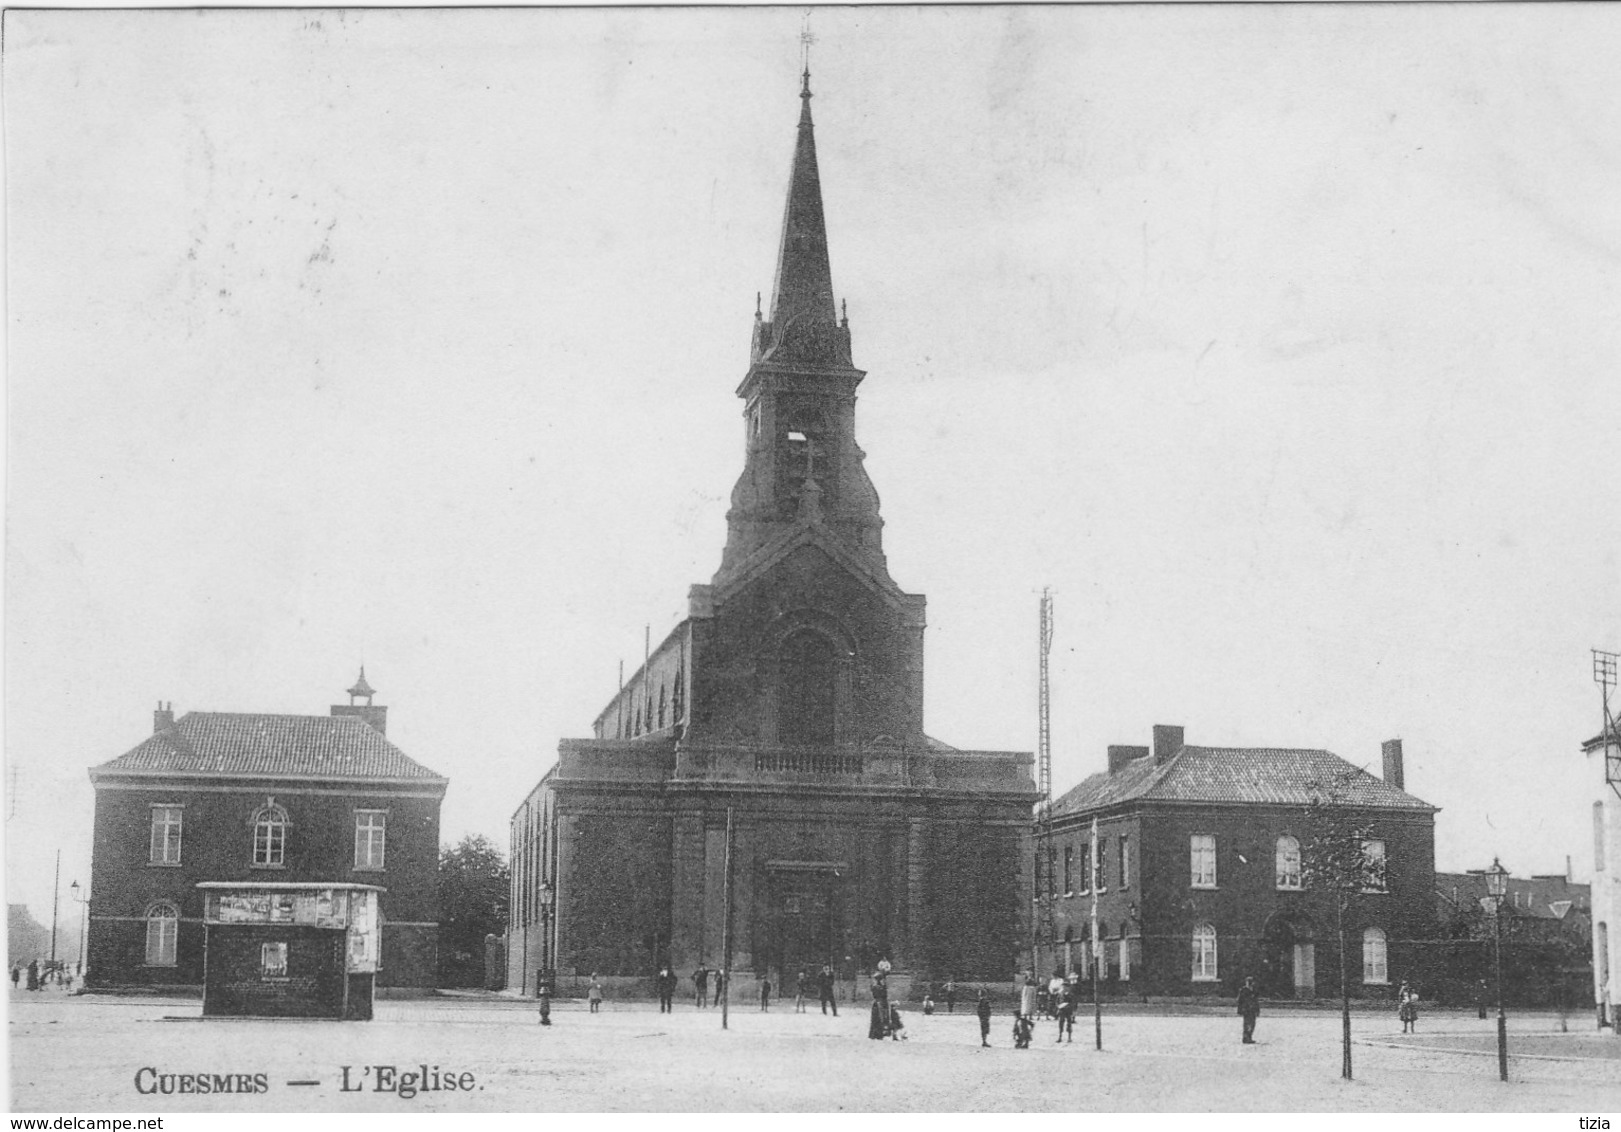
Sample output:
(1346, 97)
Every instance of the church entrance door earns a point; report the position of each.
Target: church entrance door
(805, 924)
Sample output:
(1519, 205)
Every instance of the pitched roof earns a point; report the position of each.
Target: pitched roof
(1253, 775)
(1542, 897)
(222, 743)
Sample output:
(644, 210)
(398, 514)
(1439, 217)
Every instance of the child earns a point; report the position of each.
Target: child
(895, 1024)
(928, 1005)
(594, 995)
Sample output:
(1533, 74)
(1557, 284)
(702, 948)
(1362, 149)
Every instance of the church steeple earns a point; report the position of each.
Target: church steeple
(800, 391)
(804, 283)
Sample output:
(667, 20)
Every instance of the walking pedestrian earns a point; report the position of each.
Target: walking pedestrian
(1066, 1015)
(700, 983)
(801, 989)
(824, 986)
(765, 991)
(1249, 1008)
(1027, 996)
(983, 1009)
(951, 996)
(1407, 1011)
(594, 995)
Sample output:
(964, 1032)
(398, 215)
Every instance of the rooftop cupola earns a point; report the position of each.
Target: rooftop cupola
(376, 716)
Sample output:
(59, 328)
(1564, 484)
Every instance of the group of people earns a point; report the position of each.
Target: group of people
(38, 978)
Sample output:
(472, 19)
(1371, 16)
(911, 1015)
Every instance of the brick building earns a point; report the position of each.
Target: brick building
(275, 800)
(792, 694)
(1605, 769)
(1199, 872)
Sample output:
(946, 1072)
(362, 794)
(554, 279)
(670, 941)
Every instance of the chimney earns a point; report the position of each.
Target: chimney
(1167, 742)
(163, 718)
(1121, 757)
(1393, 769)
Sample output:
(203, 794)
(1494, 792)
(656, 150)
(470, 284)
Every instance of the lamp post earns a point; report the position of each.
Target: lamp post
(1497, 886)
(546, 896)
(84, 921)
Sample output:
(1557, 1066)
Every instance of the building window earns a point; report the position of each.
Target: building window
(162, 932)
(1202, 852)
(1598, 836)
(166, 835)
(1125, 959)
(369, 838)
(1288, 862)
(1374, 968)
(1069, 859)
(1373, 860)
(1086, 866)
(269, 836)
(1204, 954)
(1102, 865)
(1603, 950)
(273, 960)
(1125, 861)
(806, 692)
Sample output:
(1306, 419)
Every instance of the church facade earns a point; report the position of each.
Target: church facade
(790, 699)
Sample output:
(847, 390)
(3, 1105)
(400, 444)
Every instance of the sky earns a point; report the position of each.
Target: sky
(1279, 341)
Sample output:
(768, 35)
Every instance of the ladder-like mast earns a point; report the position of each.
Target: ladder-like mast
(1047, 859)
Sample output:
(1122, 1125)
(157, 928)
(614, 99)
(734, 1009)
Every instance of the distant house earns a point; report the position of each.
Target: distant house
(1546, 932)
(260, 799)
(1199, 872)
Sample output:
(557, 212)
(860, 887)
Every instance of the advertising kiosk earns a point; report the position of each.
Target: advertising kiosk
(290, 950)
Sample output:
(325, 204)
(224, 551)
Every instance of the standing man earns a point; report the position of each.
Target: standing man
(951, 996)
(720, 985)
(545, 1005)
(983, 1009)
(801, 990)
(700, 983)
(824, 984)
(1481, 994)
(1066, 1013)
(1249, 1008)
(765, 990)
(666, 991)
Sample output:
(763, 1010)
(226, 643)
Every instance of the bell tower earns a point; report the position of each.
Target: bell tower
(801, 462)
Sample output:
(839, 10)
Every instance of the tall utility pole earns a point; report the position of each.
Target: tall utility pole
(1048, 899)
(726, 929)
(1604, 668)
(56, 894)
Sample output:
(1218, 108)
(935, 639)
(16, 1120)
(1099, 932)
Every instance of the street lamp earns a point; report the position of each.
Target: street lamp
(84, 921)
(1497, 886)
(546, 896)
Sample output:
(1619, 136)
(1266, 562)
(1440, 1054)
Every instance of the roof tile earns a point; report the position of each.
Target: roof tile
(241, 743)
(1253, 775)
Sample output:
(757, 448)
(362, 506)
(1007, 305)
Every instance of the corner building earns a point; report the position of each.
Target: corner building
(792, 694)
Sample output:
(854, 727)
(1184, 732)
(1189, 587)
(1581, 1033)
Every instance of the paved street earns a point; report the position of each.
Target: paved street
(84, 1054)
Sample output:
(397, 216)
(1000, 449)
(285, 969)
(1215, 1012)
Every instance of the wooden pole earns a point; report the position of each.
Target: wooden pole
(726, 927)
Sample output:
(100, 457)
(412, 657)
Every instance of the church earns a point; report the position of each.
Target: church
(775, 736)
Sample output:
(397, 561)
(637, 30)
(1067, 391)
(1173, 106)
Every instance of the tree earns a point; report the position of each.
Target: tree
(473, 894)
(1336, 862)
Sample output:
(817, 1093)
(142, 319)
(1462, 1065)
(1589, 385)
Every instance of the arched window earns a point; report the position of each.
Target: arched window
(1375, 967)
(269, 836)
(162, 932)
(1204, 954)
(805, 707)
(1288, 862)
(662, 705)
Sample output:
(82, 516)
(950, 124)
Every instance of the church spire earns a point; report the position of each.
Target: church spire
(802, 296)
